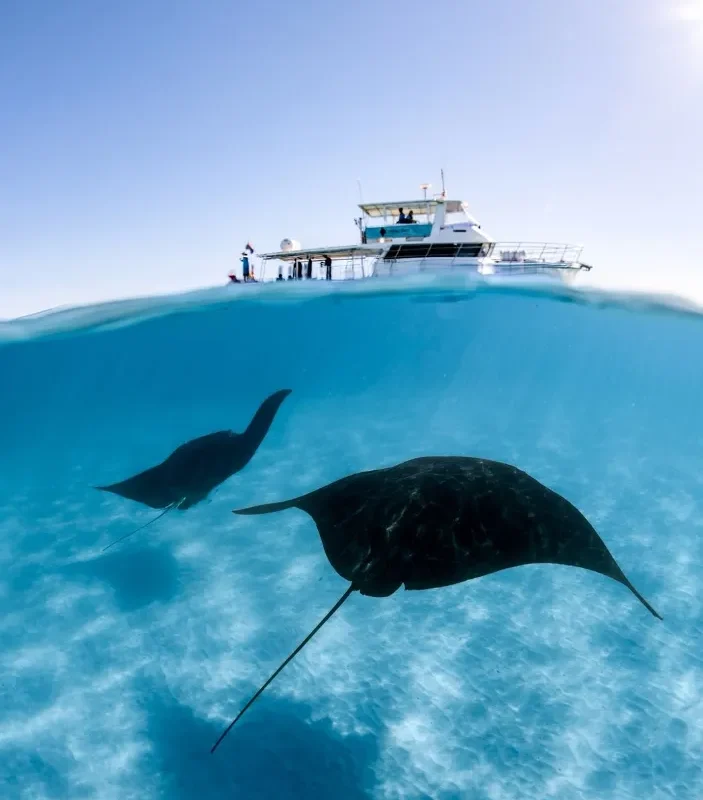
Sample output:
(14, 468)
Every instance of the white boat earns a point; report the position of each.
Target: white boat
(413, 236)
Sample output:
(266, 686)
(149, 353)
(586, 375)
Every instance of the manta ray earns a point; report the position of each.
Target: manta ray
(438, 521)
(193, 470)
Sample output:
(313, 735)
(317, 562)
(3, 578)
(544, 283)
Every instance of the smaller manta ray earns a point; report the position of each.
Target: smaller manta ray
(439, 521)
(195, 468)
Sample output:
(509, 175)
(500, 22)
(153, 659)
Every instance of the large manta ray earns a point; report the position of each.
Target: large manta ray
(195, 468)
(438, 521)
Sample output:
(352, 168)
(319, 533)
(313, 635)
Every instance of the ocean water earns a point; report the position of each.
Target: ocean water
(119, 669)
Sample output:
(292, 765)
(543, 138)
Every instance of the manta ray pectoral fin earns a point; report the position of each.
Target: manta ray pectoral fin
(295, 652)
(377, 589)
(642, 600)
(147, 488)
(262, 420)
(615, 572)
(268, 508)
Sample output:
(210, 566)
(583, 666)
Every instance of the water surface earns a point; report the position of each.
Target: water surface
(118, 670)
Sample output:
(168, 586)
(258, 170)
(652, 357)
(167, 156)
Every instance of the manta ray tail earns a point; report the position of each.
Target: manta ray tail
(146, 524)
(295, 652)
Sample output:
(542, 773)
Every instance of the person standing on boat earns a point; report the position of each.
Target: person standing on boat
(300, 270)
(328, 268)
(245, 266)
(309, 269)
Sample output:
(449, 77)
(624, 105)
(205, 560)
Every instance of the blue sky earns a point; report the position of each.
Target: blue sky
(143, 143)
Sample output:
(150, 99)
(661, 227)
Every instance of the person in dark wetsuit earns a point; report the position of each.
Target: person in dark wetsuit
(300, 270)
(328, 268)
(308, 274)
(245, 266)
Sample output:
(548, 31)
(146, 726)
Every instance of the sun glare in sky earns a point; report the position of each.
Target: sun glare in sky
(689, 15)
(689, 11)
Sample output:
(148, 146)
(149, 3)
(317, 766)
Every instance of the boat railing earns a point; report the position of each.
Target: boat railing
(505, 257)
(346, 268)
(513, 256)
(531, 253)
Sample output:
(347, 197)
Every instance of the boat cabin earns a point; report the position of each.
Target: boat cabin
(415, 220)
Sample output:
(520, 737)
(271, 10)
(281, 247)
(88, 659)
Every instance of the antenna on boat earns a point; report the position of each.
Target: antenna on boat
(444, 193)
(425, 187)
(359, 221)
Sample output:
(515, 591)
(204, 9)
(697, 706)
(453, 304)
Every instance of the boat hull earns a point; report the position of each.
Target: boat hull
(556, 271)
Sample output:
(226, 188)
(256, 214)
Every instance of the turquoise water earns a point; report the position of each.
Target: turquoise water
(118, 670)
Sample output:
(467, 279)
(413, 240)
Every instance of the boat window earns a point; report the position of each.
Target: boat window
(454, 218)
(443, 250)
(472, 250)
(439, 250)
(418, 230)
